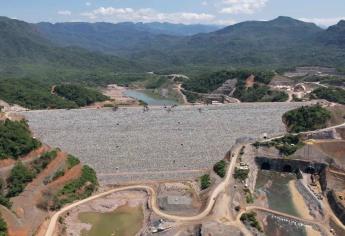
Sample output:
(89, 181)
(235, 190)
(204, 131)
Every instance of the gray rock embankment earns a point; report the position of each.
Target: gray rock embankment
(314, 205)
(337, 207)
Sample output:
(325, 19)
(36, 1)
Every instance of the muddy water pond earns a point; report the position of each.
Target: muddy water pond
(275, 185)
(124, 221)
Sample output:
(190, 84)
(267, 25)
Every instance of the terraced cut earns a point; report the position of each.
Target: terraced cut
(130, 145)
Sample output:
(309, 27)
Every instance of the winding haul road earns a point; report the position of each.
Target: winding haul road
(220, 188)
(153, 198)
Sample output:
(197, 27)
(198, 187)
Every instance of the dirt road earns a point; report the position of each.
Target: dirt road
(220, 188)
(153, 199)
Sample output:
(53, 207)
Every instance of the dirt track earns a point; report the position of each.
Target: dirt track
(220, 188)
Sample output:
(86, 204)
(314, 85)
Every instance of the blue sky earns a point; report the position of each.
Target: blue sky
(223, 12)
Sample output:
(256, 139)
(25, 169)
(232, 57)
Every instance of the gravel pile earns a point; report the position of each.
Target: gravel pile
(130, 140)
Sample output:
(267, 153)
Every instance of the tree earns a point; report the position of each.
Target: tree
(205, 181)
(306, 118)
(220, 168)
(20, 175)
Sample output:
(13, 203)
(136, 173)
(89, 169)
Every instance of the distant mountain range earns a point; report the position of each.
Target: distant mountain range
(282, 42)
(24, 48)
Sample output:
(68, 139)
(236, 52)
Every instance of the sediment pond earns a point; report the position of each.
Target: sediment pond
(124, 221)
(275, 185)
(150, 98)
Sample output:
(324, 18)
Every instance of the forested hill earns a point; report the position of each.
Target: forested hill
(22, 47)
(279, 43)
(335, 35)
(282, 42)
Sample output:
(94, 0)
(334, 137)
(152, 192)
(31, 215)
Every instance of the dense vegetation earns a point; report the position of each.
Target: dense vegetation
(306, 118)
(15, 139)
(282, 42)
(205, 182)
(30, 64)
(286, 145)
(3, 227)
(20, 176)
(258, 93)
(250, 218)
(31, 94)
(220, 168)
(80, 95)
(330, 94)
(4, 200)
(209, 82)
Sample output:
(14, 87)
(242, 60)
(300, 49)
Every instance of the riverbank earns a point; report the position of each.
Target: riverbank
(298, 201)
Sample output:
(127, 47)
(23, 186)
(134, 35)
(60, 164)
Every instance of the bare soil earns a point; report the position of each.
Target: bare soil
(25, 205)
(338, 114)
(334, 149)
(28, 158)
(117, 93)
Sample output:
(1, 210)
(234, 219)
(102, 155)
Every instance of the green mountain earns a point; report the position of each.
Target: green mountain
(116, 39)
(279, 43)
(335, 35)
(22, 48)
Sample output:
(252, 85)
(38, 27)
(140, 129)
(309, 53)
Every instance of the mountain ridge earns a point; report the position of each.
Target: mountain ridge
(283, 42)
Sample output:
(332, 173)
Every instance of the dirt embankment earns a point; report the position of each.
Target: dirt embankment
(104, 205)
(28, 216)
(28, 158)
(116, 93)
(338, 115)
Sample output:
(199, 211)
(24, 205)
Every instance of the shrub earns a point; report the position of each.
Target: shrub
(43, 161)
(72, 161)
(250, 218)
(205, 181)
(5, 201)
(220, 168)
(80, 188)
(249, 197)
(3, 227)
(286, 145)
(18, 179)
(58, 174)
(241, 174)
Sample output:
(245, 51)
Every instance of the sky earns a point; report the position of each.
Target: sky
(220, 12)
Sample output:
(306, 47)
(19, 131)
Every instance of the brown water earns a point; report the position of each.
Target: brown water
(124, 221)
(276, 187)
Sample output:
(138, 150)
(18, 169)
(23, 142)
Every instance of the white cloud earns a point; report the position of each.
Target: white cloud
(64, 13)
(323, 21)
(88, 4)
(242, 6)
(204, 3)
(149, 15)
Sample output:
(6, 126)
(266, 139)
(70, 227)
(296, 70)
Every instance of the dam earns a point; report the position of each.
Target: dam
(128, 145)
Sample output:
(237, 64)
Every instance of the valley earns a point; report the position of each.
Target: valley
(168, 129)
